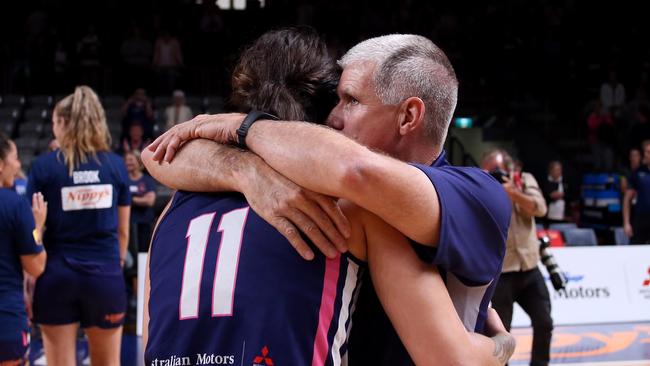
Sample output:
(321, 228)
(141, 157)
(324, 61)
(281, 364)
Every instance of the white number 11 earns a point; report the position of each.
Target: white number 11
(231, 228)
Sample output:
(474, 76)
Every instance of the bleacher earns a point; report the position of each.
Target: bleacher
(27, 119)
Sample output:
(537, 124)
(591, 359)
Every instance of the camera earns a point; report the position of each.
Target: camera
(558, 279)
(499, 175)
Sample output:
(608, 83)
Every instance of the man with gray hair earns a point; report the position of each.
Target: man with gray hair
(397, 95)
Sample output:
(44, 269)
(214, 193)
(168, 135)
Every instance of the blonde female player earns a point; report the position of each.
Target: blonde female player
(86, 234)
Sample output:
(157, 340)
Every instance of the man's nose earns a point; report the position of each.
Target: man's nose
(334, 120)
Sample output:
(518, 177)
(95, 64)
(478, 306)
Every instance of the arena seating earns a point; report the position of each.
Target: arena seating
(580, 236)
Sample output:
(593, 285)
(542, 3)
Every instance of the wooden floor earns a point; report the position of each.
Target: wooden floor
(597, 345)
(593, 345)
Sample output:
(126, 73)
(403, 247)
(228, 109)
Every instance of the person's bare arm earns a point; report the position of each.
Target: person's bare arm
(34, 264)
(323, 160)
(204, 166)
(630, 193)
(147, 200)
(123, 216)
(419, 307)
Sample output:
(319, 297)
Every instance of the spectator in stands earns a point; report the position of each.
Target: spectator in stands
(61, 66)
(639, 188)
(521, 281)
(135, 140)
(555, 192)
(89, 54)
(634, 162)
(635, 107)
(136, 54)
(601, 128)
(143, 193)
(167, 61)
(143, 198)
(640, 129)
(177, 112)
(612, 94)
(138, 108)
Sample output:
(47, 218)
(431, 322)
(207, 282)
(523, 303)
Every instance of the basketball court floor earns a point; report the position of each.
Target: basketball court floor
(593, 345)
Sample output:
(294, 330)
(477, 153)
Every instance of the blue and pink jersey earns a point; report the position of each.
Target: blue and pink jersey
(228, 289)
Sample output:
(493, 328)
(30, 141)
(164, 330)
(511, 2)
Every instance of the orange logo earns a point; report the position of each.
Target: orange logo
(114, 318)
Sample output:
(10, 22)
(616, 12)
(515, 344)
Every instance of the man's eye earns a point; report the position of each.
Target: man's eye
(353, 101)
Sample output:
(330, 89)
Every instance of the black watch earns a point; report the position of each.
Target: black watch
(252, 117)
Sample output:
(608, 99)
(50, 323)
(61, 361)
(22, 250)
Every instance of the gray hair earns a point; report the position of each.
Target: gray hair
(409, 65)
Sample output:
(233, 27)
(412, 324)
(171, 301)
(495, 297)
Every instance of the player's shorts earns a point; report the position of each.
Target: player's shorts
(13, 348)
(72, 292)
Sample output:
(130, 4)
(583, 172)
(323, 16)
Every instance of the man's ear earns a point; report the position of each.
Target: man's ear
(411, 115)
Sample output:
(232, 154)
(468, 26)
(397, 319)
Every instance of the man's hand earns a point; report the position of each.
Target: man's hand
(509, 186)
(628, 230)
(219, 127)
(39, 210)
(292, 209)
(493, 323)
(285, 205)
(504, 342)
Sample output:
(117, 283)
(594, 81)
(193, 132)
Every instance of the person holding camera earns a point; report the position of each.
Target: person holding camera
(521, 281)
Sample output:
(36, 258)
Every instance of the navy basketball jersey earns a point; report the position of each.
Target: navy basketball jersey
(82, 218)
(475, 215)
(17, 226)
(228, 289)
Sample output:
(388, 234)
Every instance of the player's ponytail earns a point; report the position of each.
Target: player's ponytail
(85, 130)
(276, 98)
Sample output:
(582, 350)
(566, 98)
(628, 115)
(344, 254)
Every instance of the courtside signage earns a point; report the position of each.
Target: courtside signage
(606, 284)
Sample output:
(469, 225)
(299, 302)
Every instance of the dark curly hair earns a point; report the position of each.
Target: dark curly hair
(287, 72)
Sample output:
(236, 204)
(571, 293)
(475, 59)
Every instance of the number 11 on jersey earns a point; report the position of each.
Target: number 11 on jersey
(231, 228)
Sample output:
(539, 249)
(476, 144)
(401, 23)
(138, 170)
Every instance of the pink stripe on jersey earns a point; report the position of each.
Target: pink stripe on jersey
(326, 312)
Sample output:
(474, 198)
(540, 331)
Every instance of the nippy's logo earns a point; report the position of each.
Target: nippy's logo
(87, 197)
(264, 359)
(646, 282)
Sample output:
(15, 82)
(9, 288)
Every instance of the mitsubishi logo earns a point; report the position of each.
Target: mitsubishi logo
(257, 361)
